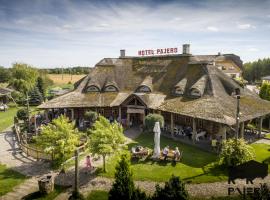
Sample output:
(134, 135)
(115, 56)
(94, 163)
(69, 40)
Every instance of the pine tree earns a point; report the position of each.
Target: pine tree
(35, 97)
(40, 86)
(174, 189)
(123, 186)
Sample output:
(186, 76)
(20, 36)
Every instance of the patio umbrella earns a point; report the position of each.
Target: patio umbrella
(157, 140)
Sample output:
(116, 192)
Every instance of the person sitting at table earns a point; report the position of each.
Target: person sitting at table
(176, 154)
(139, 148)
(165, 152)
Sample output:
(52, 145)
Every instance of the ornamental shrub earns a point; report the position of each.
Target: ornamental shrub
(91, 116)
(22, 114)
(235, 152)
(151, 119)
(173, 189)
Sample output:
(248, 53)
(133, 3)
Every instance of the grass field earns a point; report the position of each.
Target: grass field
(197, 166)
(58, 79)
(98, 195)
(9, 179)
(7, 118)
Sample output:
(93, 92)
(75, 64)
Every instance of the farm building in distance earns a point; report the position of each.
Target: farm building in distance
(188, 90)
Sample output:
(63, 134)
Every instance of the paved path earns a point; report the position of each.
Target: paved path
(263, 141)
(195, 190)
(132, 133)
(12, 157)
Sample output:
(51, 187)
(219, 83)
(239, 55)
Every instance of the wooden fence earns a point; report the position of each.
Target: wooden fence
(34, 152)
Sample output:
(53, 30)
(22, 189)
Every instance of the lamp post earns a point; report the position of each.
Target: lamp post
(237, 94)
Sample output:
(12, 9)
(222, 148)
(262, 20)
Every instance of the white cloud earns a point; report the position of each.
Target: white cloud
(245, 26)
(252, 49)
(212, 28)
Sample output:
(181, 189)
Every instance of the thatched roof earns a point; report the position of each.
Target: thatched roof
(5, 91)
(164, 74)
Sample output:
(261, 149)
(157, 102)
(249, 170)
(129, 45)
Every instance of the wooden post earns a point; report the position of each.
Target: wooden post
(72, 114)
(143, 118)
(172, 124)
(128, 119)
(224, 136)
(35, 124)
(120, 114)
(260, 126)
(46, 115)
(76, 183)
(194, 130)
(242, 131)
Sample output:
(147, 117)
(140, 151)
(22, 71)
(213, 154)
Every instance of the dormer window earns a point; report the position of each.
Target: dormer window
(110, 88)
(92, 88)
(179, 92)
(197, 90)
(143, 88)
(146, 85)
(179, 88)
(195, 93)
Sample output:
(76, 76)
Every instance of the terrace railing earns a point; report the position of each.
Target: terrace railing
(34, 152)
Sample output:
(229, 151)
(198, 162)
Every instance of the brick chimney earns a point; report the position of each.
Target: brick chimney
(122, 53)
(186, 48)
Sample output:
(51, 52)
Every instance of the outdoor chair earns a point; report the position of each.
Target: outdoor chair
(199, 135)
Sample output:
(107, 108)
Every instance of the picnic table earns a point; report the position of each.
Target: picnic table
(139, 154)
(170, 155)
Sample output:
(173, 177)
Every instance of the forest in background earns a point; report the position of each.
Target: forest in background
(254, 71)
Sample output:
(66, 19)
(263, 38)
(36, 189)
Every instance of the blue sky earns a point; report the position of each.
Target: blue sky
(55, 33)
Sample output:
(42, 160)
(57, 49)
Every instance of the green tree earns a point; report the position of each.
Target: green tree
(174, 189)
(151, 119)
(263, 90)
(60, 138)
(23, 79)
(91, 116)
(22, 114)
(106, 138)
(235, 152)
(5, 74)
(123, 186)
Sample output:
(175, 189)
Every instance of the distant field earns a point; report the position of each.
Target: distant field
(66, 78)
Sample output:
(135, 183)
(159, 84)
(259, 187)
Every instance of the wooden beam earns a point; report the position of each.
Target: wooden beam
(194, 130)
(242, 130)
(172, 124)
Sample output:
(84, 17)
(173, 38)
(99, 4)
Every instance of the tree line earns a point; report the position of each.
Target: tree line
(254, 71)
(71, 70)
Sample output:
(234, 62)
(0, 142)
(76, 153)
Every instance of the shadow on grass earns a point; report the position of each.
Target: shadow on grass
(214, 170)
(38, 195)
(11, 174)
(150, 161)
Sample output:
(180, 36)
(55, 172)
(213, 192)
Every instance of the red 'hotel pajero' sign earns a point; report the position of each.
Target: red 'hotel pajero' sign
(151, 52)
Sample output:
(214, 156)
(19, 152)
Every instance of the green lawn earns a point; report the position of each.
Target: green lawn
(262, 152)
(98, 195)
(50, 196)
(196, 165)
(7, 118)
(268, 136)
(9, 179)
